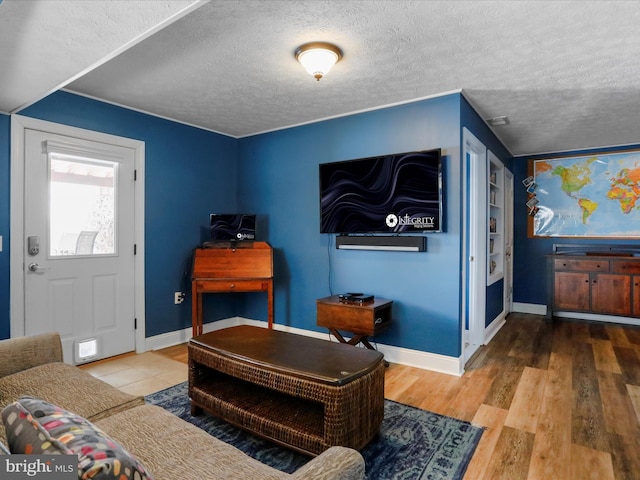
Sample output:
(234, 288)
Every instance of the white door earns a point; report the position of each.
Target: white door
(508, 241)
(79, 225)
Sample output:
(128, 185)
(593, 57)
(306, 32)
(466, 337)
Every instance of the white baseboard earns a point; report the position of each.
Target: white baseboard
(402, 356)
(177, 337)
(494, 327)
(598, 318)
(532, 308)
(424, 360)
(542, 310)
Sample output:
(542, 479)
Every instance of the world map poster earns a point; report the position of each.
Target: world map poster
(588, 196)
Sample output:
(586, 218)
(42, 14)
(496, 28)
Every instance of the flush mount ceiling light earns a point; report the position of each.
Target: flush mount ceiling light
(318, 57)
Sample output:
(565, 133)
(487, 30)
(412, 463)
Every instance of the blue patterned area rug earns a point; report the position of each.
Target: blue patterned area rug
(413, 444)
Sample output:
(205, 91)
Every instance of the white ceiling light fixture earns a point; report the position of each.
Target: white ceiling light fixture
(318, 57)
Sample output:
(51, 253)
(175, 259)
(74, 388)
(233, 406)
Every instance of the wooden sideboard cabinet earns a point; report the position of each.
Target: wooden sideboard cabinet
(599, 282)
(241, 267)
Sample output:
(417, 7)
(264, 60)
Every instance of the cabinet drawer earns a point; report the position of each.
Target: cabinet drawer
(353, 318)
(574, 265)
(231, 285)
(626, 267)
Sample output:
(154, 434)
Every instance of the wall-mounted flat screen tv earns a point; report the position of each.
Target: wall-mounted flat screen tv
(398, 193)
(226, 227)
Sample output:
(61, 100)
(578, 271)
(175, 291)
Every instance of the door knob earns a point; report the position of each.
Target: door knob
(34, 267)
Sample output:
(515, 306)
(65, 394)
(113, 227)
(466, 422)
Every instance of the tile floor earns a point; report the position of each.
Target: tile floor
(139, 374)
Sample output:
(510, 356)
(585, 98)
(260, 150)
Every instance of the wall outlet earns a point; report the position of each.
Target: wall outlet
(178, 297)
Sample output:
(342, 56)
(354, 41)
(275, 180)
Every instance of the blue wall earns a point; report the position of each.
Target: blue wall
(529, 273)
(279, 181)
(189, 173)
(4, 225)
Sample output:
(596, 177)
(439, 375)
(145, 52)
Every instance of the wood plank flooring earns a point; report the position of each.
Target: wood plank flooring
(558, 400)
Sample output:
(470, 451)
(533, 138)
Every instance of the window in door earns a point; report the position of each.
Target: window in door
(82, 206)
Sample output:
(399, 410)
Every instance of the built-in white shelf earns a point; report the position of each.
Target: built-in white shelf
(495, 228)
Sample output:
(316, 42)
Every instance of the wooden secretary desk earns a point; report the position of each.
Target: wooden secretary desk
(231, 267)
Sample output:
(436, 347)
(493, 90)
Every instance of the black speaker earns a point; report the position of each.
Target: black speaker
(393, 243)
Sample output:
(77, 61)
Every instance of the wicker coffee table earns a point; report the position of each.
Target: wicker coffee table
(305, 393)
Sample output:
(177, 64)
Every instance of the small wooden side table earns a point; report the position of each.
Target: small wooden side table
(362, 320)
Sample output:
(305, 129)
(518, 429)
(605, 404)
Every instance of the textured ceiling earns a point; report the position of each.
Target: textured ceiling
(567, 74)
(46, 44)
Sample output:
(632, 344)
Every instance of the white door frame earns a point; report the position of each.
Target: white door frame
(16, 300)
(508, 232)
(475, 178)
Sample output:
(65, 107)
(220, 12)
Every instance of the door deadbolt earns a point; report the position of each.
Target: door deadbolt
(33, 245)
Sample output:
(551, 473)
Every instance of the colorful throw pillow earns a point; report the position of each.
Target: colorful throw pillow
(25, 435)
(35, 426)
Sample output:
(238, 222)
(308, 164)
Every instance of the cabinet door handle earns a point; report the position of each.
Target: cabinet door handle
(233, 285)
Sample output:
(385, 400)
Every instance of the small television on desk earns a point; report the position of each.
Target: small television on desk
(232, 227)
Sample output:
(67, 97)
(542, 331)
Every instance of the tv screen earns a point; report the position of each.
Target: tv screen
(225, 227)
(399, 193)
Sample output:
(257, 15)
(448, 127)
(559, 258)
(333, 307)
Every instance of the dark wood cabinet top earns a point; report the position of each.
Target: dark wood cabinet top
(304, 357)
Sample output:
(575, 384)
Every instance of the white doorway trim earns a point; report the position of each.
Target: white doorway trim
(508, 231)
(475, 174)
(16, 300)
